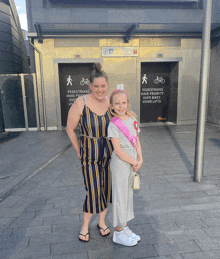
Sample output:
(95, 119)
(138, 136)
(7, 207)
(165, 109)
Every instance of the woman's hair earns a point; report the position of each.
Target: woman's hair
(97, 72)
(113, 93)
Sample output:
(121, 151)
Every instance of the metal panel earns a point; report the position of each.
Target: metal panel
(5, 17)
(4, 8)
(5, 27)
(7, 67)
(6, 56)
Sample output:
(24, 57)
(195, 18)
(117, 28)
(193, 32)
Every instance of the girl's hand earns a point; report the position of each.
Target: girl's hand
(138, 166)
(78, 154)
(135, 169)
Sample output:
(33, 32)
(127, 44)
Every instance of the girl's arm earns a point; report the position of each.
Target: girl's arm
(74, 114)
(121, 153)
(140, 158)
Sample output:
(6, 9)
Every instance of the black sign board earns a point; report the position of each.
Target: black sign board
(154, 92)
(74, 82)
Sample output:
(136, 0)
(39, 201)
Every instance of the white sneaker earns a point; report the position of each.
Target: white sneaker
(123, 239)
(131, 234)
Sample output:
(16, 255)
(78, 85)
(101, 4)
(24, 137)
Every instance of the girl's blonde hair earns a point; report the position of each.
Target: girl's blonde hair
(113, 93)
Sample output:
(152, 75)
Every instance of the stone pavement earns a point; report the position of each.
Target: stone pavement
(42, 192)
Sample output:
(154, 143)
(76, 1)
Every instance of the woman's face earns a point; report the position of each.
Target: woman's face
(99, 88)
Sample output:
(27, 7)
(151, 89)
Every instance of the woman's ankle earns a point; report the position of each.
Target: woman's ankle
(84, 229)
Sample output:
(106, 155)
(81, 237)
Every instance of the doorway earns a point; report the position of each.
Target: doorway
(74, 82)
(158, 91)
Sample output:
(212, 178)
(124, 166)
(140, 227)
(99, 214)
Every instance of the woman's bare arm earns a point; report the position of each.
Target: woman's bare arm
(121, 153)
(74, 114)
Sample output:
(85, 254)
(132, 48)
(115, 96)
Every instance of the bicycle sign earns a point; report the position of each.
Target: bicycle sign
(84, 81)
(159, 80)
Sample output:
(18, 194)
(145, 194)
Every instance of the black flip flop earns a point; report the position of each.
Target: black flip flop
(84, 236)
(103, 230)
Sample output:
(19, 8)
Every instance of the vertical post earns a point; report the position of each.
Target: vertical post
(42, 86)
(204, 74)
(24, 101)
(36, 101)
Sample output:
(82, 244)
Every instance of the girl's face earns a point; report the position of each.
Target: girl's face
(99, 88)
(120, 104)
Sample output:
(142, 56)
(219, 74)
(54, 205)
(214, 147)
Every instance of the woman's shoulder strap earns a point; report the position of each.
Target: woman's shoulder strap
(84, 99)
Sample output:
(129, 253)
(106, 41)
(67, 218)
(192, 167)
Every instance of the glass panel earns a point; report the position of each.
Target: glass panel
(30, 100)
(1, 115)
(12, 101)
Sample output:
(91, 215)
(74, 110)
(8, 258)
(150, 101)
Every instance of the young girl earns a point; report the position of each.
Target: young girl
(122, 167)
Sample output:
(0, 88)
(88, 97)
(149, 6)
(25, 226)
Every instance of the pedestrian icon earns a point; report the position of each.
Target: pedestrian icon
(144, 79)
(69, 81)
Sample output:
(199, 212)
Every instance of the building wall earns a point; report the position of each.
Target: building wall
(213, 114)
(214, 87)
(122, 70)
(13, 58)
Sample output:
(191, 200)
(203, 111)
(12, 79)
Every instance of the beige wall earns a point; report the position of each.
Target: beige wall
(123, 70)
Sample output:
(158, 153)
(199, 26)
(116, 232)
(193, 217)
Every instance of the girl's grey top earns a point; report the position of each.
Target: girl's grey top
(114, 132)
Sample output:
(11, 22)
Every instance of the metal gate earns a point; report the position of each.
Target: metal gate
(19, 110)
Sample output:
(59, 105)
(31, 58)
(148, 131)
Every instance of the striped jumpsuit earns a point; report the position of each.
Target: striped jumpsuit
(95, 150)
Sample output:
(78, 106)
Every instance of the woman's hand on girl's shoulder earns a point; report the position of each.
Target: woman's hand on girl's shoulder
(132, 114)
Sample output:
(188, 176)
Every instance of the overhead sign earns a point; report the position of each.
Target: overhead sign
(119, 51)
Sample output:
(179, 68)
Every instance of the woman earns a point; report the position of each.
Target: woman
(92, 113)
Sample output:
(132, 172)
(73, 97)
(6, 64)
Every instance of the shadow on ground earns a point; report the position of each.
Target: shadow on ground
(6, 136)
(180, 150)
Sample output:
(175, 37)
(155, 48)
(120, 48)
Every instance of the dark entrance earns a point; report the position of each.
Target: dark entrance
(74, 82)
(158, 94)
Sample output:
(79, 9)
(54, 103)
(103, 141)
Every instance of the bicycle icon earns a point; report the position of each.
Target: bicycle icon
(84, 81)
(159, 80)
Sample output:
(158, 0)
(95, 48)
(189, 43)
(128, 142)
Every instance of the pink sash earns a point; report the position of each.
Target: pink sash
(124, 129)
